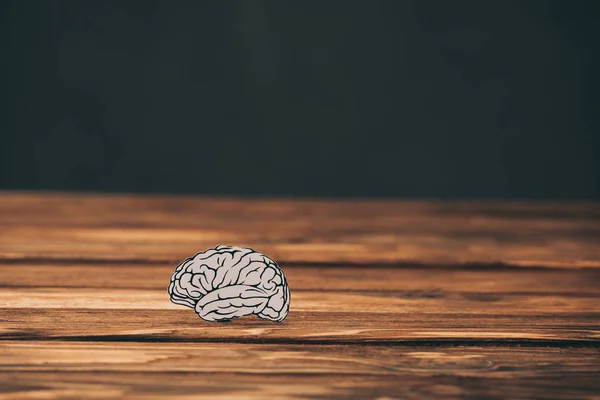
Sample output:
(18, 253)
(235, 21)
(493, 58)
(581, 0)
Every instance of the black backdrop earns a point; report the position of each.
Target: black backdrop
(318, 98)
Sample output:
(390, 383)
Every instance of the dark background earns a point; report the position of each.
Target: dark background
(320, 98)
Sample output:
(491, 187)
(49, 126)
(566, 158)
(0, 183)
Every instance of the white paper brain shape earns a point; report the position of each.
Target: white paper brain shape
(229, 282)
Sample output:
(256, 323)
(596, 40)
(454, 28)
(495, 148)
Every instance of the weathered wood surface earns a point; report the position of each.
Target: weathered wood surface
(389, 299)
(430, 281)
(112, 324)
(241, 371)
(162, 229)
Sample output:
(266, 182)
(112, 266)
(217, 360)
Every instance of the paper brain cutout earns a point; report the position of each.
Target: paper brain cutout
(229, 282)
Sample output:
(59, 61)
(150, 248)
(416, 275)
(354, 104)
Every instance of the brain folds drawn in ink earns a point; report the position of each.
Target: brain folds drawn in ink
(230, 282)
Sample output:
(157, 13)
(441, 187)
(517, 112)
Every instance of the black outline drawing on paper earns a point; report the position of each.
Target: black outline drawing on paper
(230, 282)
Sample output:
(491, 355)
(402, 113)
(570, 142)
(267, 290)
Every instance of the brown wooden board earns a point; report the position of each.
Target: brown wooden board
(241, 371)
(390, 299)
(168, 229)
(113, 324)
(427, 282)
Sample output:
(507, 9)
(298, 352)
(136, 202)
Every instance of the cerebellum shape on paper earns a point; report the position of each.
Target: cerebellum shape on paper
(230, 282)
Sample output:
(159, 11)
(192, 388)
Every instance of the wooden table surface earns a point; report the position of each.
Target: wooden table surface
(390, 299)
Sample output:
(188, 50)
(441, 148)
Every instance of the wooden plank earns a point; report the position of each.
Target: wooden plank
(410, 327)
(39, 356)
(189, 385)
(168, 229)
(309, 301)
(236, 371)
(351, 304)
(416, 281)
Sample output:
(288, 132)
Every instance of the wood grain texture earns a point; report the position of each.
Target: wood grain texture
(167, 229)
(120, 325)
(389, 299)
(431, 281)
(194, 370)
(189, 385)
